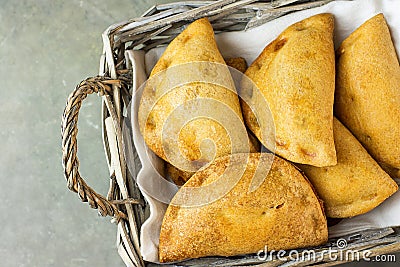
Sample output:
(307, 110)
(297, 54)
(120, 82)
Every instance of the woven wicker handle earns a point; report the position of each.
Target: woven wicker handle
(69, 131)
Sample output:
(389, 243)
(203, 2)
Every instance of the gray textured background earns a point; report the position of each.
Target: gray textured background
(46, 48)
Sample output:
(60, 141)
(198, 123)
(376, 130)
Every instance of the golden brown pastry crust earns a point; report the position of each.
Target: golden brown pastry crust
(238, 63)
(356, 184)
(296, 76)
(180, 177)
(195, 44)
(367, 98)
(282, 213)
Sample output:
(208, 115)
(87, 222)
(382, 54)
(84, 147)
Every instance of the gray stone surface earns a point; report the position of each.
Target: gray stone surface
(46, 48)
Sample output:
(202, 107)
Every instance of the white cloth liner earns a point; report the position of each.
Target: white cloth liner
(348, 16)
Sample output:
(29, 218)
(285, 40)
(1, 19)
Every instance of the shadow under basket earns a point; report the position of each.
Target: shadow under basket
(124, 201)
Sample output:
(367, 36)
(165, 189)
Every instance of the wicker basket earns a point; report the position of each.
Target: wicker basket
(124, 201)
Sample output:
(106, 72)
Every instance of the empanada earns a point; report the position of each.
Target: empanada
(282, 213)
(367, 98)
(295, 76)
(356, 184)
(189, 112)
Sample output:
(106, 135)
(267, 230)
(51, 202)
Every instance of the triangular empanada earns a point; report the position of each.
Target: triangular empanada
(189, 112)
(367, 98)
(356, 184)
(296, 76)
(180, 177)
(283, 212)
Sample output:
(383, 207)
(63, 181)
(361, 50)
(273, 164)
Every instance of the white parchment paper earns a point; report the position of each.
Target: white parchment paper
(348, 16)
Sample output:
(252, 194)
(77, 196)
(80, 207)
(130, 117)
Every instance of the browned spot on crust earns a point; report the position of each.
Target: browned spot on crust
(281, 143)
(151, 123)
(280, 44)
(300, 27)
(310, 154)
